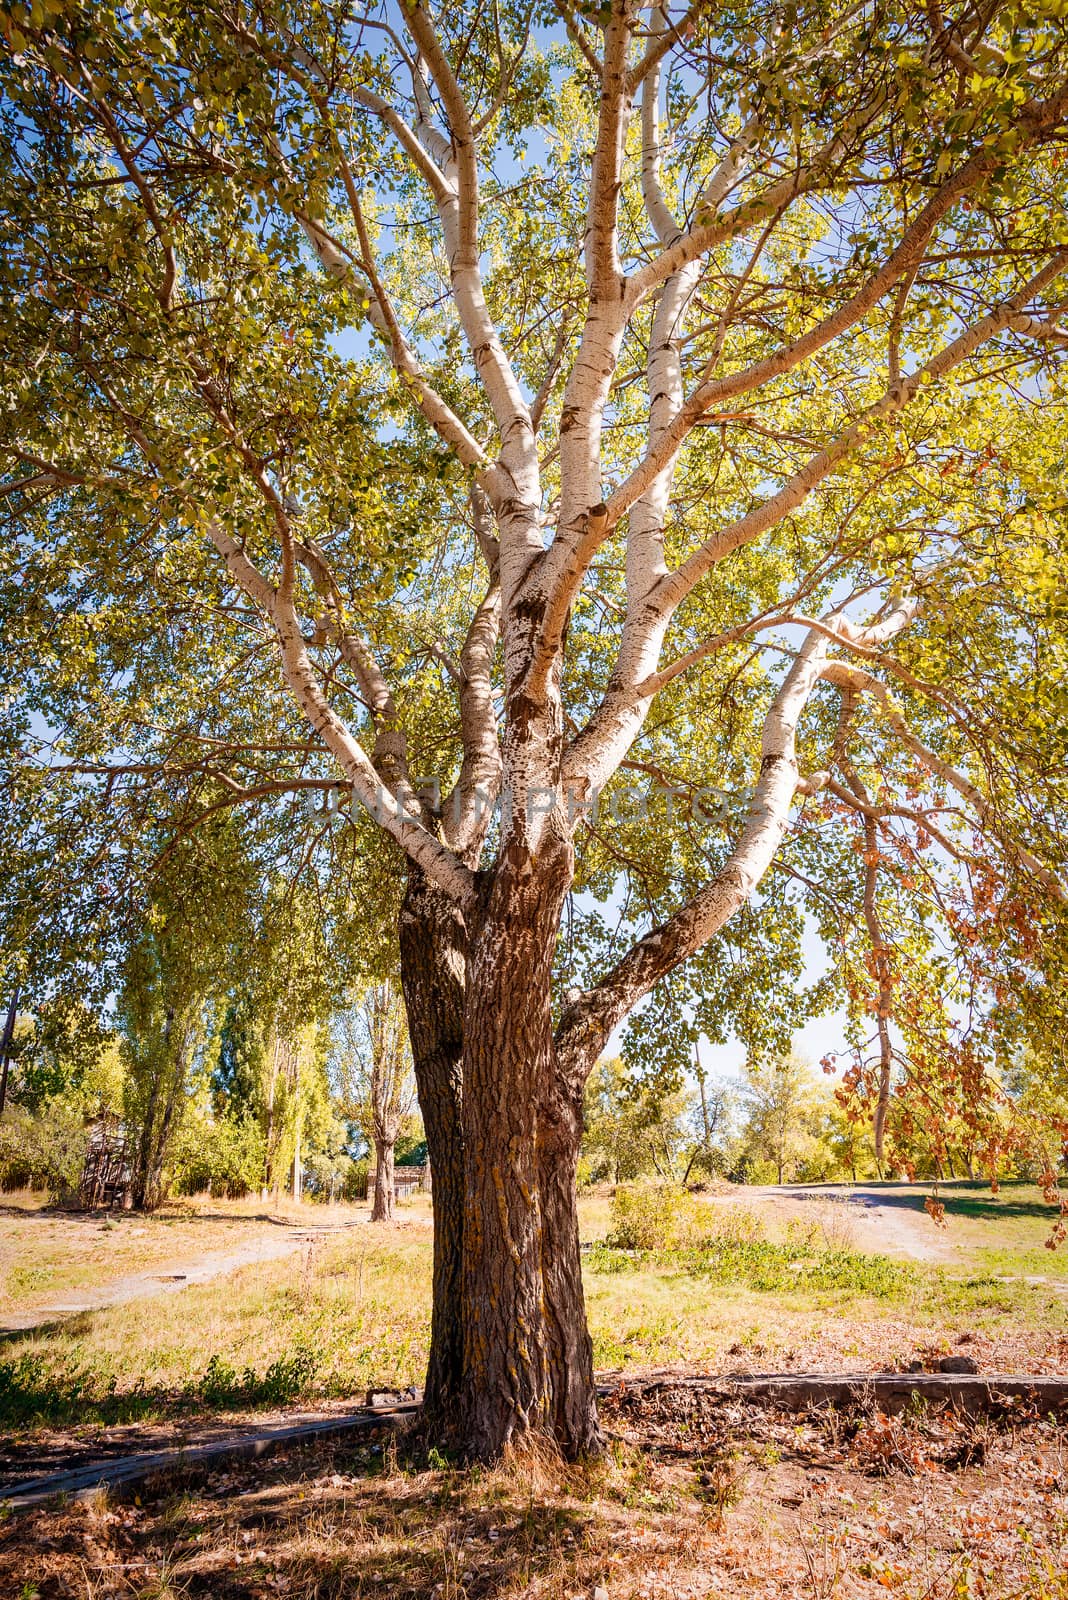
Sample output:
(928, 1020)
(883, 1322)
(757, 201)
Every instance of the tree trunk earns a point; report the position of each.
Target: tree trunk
(157, 1129)
(269, 1150)
(146, 1186)
(382, 1208)
(5, 1045)
(527, 1360)
(140, 1179)
(574, 1410)
(433, 943)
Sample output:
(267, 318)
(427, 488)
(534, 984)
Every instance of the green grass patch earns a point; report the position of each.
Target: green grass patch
(36, 1391)
(769, 1267)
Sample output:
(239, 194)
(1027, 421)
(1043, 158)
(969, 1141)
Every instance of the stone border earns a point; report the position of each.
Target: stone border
(889, 1391)
(126, 1473)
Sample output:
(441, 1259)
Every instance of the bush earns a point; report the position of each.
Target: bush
(753, 1169)
(645, 1217)
(221, 1154)
(730, 1225)
(43, 1150)
(831, 1225)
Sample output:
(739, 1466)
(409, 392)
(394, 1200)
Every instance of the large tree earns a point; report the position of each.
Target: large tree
(638, 377)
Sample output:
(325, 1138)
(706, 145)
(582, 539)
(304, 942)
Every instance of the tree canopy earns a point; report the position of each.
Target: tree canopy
(619, 449)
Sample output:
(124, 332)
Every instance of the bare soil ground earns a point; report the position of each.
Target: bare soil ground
(887, 1219)
(695, 1498)
(110, 1259)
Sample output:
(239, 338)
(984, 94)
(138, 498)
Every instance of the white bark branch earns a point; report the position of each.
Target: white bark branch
(589, 1019)
(439, 863)
(597, 749)
(717, 391)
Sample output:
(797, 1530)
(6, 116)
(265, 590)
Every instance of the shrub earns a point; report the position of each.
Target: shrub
(830, 1225)
(662, 1217)
(43, 1150)
(645, 1217)
(220, 1154)
(326, 1176)
(729, 1224)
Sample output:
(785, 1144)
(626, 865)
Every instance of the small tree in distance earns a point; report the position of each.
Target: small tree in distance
(786, 1115)
(373, 1068)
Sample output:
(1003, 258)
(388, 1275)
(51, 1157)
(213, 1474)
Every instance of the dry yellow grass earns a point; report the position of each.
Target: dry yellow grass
(351, 1311)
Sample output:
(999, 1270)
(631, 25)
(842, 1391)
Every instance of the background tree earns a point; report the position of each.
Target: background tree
(785, 1111)
(168, 994)
(374, 1071)
(633, 1129)
(710, 1122)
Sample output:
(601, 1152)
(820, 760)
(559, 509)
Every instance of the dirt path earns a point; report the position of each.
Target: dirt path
(884, 1220)
(199, 1268)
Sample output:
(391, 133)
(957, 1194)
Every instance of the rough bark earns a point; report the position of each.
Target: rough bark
(432, 946)
(527, 1360)
(382, 1205)
(573, 1413)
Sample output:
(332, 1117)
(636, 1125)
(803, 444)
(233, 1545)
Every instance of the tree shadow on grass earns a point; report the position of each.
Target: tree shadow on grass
(989, 1207)
(975, 1201)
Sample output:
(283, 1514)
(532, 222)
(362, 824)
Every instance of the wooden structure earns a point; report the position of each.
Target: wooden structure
(408, 1181)
(106, 1173)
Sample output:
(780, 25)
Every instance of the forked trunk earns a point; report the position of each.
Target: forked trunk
(527, 1363)
(432, 946)
(382, 1205)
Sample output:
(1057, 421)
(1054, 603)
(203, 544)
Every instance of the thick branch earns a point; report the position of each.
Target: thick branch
(903, 260)
(677, 584)
(436, 861)
(588, 1020)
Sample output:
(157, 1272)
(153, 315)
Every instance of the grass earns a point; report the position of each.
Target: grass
(770, 1268)
(1005, 1233)
(46, 1254)
(352, 1312)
